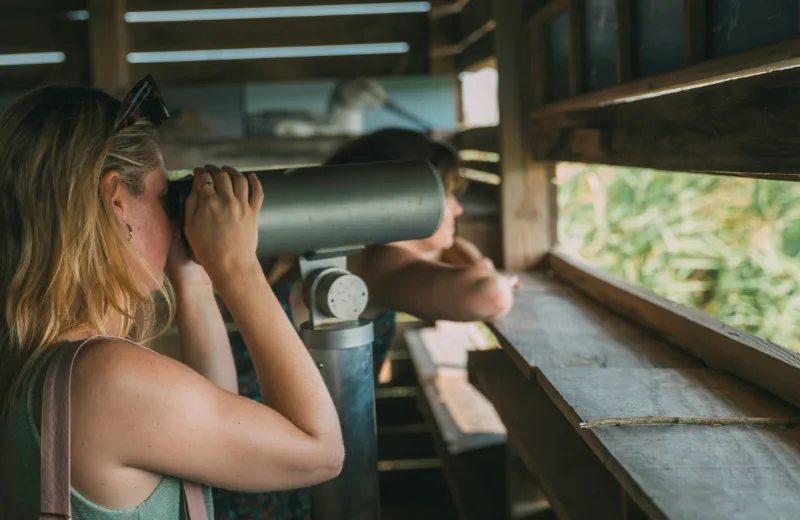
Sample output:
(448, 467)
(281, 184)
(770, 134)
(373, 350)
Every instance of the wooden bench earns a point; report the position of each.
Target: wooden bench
(469, 436)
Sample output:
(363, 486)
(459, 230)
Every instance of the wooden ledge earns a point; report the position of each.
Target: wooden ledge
(685, 471)
(553, 325)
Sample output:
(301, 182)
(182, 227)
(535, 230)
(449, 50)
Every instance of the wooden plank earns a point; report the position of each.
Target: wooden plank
(286, 69)
(482, 138)
(552, 325)
(475, 478)
(474, 17)
(695, 28)
(9, 6)
(475, 55)
(624, 39)
(527, 193)
(179, 5)
(279, 32)
(109, 45)
(741, 127)
(770, 57)
(549, 9)
(28, 30)
(720, 346)
(575, 482)
(681, 472)
(482, 166)
(577, 56)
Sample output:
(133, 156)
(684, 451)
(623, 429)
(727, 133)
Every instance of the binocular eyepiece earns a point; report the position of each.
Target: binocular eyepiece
(324, 208)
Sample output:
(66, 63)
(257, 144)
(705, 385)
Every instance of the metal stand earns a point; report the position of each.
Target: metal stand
(340, 342)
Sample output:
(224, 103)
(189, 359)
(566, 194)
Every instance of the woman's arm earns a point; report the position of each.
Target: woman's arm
(398, 278)
(463, 252)
(135, 410)
(204, 338)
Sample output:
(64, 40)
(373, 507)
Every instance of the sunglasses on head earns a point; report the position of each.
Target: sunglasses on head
(143, 101)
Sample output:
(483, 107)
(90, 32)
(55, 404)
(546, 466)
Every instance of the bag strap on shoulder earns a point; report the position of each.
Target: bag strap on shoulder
(55, 442)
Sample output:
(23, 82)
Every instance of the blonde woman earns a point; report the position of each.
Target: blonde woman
(84, 242)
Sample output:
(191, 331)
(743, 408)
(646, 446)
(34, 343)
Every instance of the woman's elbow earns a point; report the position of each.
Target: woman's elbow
(328, 464)
(493, 300)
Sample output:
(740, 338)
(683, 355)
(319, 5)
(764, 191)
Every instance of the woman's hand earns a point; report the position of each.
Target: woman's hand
(222, 220)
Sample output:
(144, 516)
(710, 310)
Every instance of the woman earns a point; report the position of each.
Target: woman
(440, 277)
(84, 242)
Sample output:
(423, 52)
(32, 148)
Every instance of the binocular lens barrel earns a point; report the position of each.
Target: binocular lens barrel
(314, 209)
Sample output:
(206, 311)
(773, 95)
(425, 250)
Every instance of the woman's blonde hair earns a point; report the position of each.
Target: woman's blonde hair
(65, 263)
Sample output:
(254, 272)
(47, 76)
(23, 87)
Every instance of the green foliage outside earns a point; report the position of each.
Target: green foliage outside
(725, 245)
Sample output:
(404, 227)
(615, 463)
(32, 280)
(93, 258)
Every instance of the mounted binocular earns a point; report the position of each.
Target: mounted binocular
(338, 208)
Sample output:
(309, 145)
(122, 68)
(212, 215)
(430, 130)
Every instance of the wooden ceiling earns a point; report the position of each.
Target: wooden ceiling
(96, 46)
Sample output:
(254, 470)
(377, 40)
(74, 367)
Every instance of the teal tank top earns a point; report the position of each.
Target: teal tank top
(20, 472)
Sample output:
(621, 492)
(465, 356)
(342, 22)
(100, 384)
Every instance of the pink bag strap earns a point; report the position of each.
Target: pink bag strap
(55, 442)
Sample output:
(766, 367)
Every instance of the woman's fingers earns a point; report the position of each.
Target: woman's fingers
(222, 181)
(240, 186)
(256, 192)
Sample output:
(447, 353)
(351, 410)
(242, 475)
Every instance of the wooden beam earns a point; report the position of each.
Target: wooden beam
(179, 5)
(684, 471)
(549, 9)
(477, 52)
(577, 55)
(720, 346)
(474, 16)
(770, 57)
(108, 34)
(483, 138)
(695, 30)
(28, 30)
(279, 32)
(623, 10)
(739, 127)
(286, 69)
(553, 325)
(527, 193)
(574, 480)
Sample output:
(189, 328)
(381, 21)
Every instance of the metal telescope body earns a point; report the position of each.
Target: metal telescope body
(322, 215)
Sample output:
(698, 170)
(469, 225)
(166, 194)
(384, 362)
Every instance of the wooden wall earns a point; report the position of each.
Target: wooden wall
(96, 40)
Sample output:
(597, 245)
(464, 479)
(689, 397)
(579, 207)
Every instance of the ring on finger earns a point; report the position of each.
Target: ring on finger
(209, 183)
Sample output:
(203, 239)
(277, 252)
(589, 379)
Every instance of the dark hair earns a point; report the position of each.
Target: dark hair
(397, 144)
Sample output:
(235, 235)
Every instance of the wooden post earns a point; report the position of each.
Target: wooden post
(108, 33)
(527, 192)
(577, 54)
(624, 33)
(694, 30)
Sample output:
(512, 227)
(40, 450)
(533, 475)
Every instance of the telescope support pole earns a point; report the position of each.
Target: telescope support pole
(340, 342)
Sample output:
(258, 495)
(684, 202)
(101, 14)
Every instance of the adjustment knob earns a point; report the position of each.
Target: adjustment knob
(342, 295)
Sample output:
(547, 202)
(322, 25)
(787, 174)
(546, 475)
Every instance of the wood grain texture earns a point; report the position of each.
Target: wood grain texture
(286, 69)
(577, 56)
(685, 472)
(552, 325)
(475, 53)
(769, 57)
(623, 11)
(108, 33)
(742, 127)
(177, 5)
(720, 346)
(575, 482)
(279, 32)
(695, 31)
(475, 477)
(484, 139)
(528, 206)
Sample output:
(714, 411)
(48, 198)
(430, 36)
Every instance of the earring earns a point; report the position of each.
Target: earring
(130, 231)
